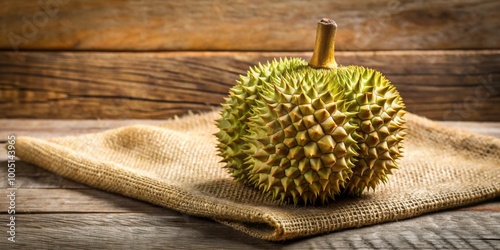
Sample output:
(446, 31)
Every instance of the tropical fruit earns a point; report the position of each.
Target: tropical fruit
(307, 132)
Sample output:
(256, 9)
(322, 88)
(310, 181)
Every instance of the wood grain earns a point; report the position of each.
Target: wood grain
(443, 85)
(29, 176)
(89, 200)
(446, 230)
(167, 230)
(161, 230)
(81, 200)
(139, 25)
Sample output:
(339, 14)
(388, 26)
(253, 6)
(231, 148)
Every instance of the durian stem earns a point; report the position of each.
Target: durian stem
(323, 55)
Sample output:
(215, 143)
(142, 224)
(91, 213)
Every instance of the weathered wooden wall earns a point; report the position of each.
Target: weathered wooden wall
(129, 59)
(456, 86)
(284, 25)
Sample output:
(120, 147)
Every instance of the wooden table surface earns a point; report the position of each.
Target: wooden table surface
(55, 213)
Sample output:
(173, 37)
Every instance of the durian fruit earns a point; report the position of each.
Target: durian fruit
(307, 132)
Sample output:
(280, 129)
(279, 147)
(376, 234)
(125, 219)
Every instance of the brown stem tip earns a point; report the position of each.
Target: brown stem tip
(323, 55)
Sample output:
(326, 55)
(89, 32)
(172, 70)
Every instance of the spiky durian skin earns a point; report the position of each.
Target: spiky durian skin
(380, 109)
(233, 123)
(302, 142)
(304, 135)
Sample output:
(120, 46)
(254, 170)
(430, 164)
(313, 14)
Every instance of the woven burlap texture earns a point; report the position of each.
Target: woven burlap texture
(176, 166)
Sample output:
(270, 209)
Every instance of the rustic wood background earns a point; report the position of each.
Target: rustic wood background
(76, 59)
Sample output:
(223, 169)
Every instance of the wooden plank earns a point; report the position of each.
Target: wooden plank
(81, 200)
(141, 230)
(452, 229)
(138, 25)
(445, 230)
(443, 85)
(30, 176)
(89, 200)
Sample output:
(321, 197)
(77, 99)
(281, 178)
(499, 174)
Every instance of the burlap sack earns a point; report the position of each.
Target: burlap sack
(175, 166)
